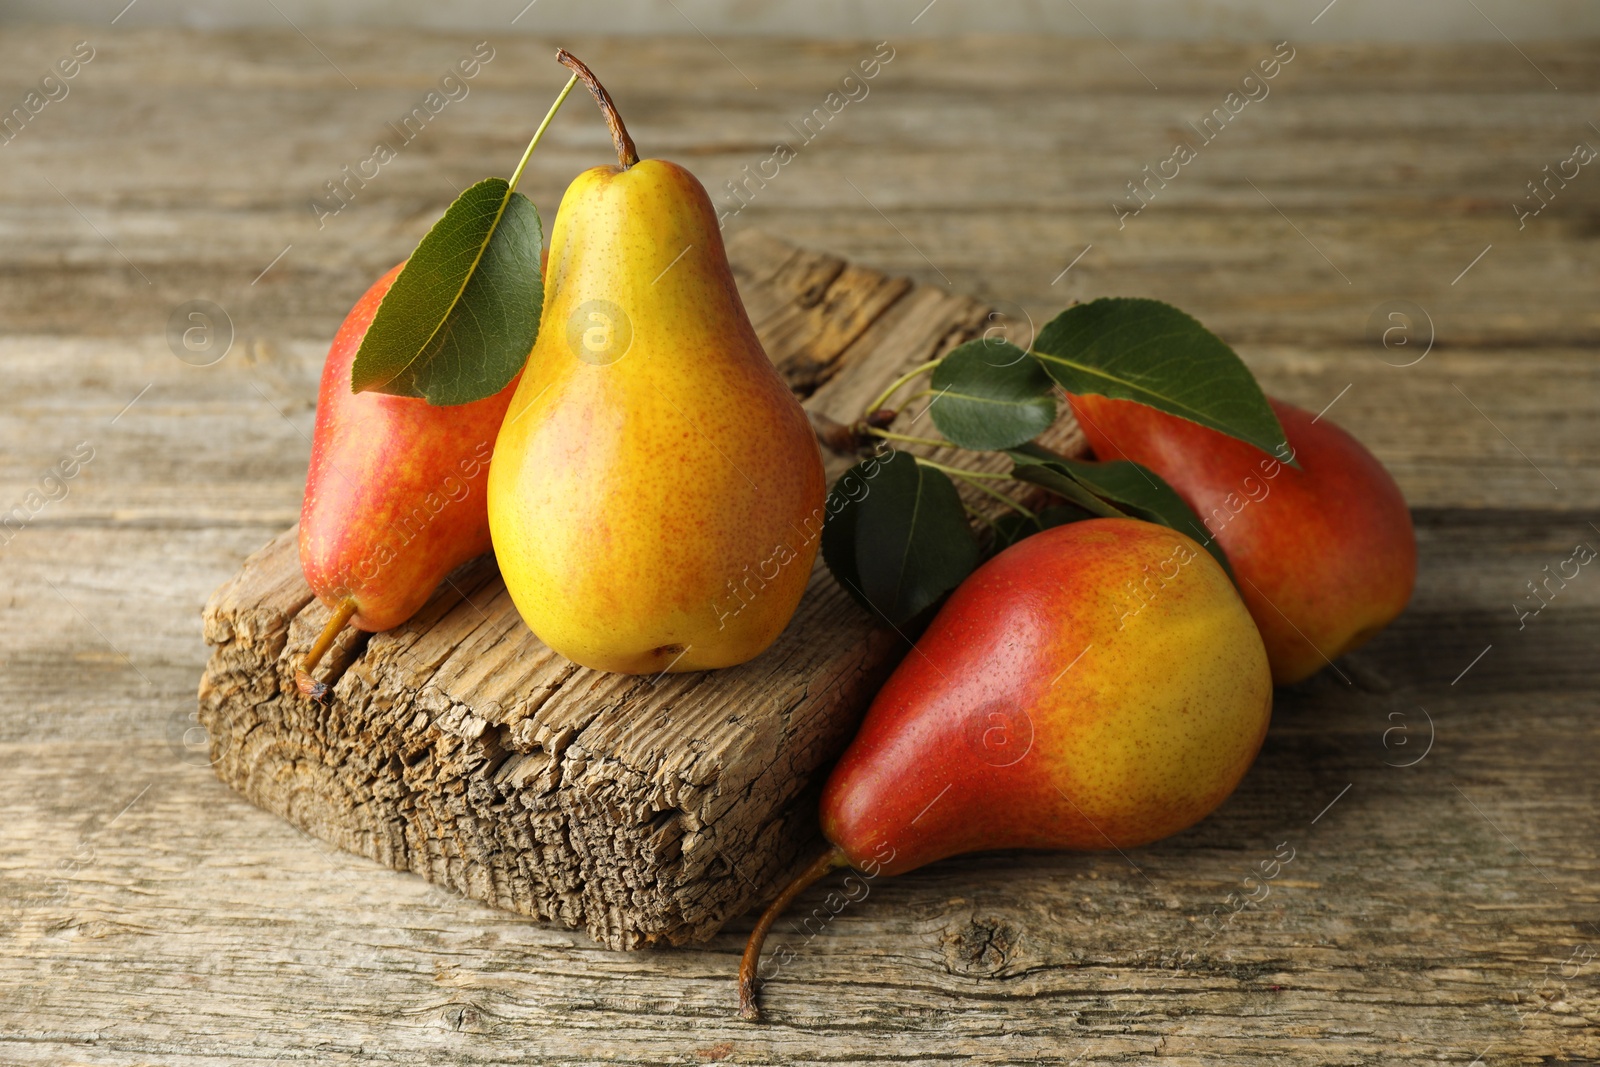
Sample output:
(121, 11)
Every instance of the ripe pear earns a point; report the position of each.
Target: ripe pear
(395, 497)
(1098, 685)
(1325, 555)
(656, 495)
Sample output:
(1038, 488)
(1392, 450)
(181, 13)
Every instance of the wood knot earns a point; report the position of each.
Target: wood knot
(462, 1018)
(982, 947)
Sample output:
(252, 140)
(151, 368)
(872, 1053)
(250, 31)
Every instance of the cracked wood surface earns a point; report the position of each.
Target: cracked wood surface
(1439, 912)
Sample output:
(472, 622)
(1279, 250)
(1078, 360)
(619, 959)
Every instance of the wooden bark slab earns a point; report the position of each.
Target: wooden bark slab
(642, 809)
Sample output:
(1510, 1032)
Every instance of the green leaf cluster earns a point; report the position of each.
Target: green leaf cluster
(898, 536)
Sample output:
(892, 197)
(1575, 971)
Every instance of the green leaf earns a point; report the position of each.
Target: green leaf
(1129, 487)
(1060, 481)
(1154, 354)
(461, 318)
(839, 527)
(991, 394)
(912, 541)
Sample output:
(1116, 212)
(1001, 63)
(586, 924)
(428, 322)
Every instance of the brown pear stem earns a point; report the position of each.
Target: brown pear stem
(830, 860)
(834, 435)
(330, 633)
(626, 155)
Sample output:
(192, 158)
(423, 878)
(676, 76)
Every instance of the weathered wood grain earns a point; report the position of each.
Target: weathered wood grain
(1432, 915)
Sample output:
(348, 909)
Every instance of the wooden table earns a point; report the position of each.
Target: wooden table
(1442, 900)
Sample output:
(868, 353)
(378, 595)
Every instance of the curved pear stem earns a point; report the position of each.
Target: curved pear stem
(834, 435)
(626, 154)
(830, 860)
(340, 618)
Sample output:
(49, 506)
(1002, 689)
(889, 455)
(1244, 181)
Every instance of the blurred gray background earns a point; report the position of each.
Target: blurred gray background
(1375, 20)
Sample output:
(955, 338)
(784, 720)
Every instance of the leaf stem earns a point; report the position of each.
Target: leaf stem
(961, 472)
(898, 382)
(976, 480)
(1008, 502)
(908, 439)
(516, 175)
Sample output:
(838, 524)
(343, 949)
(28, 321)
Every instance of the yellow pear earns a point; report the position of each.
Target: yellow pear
(656, 493)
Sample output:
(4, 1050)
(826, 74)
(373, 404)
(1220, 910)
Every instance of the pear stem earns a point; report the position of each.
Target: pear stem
(830, 860)
(341, 617)
(626, 154)
(884, 396)
(833, 434)
(516, 175)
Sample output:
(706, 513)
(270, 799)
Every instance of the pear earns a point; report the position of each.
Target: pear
(395, 497)
(1095, 686)
(1325, 554)
(656, 494)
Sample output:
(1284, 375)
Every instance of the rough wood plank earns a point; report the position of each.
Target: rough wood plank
(645, 810)
(809, 308)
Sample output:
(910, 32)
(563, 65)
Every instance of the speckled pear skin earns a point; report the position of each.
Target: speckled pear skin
(1326, 555)
(656, 496)
(1096, 685)
(396, 496)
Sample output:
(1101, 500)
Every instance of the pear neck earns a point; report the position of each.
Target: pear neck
(627, 155)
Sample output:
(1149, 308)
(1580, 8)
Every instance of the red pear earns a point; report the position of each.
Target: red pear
(1097, 685)
(395, 494)
(1325, 555)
